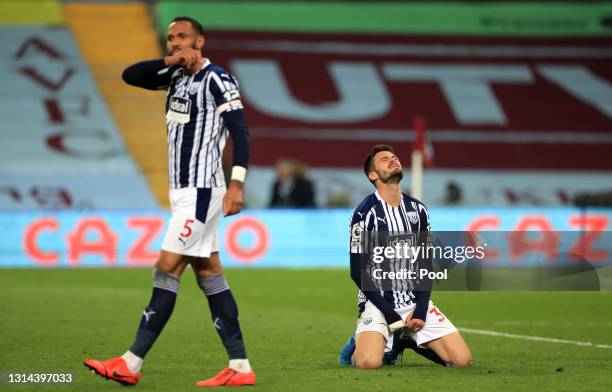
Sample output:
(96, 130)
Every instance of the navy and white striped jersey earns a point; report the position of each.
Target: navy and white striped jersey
(374, 215)
(196, 130)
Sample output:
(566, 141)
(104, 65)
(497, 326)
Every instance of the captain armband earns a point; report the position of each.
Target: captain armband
(233, 102)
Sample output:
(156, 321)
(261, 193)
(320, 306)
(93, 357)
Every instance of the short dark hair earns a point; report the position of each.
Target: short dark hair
(197, 26)
(368, 165)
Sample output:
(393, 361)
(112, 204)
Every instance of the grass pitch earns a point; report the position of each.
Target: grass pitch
(294, 323)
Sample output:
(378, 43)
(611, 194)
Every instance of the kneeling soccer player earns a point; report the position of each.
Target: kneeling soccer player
(393, 320)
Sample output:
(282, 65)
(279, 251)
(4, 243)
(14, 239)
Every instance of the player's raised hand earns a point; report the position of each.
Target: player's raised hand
(188, 58)
(176, 58)
(195, 60)
(233, 201)
(414, 324)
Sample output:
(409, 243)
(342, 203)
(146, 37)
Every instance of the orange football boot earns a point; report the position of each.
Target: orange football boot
(113, 369)
(229, 378)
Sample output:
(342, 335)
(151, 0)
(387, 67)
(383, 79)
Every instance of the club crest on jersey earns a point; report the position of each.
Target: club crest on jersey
(194, 88)
(179, 110)
(413, 217)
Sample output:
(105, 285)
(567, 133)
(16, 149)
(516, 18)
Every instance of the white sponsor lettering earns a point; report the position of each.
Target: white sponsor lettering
(179, 110)
(363, 94)
(467, 88)
(179, 106)
(582, 84)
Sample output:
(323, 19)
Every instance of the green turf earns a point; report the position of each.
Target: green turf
(295, 322)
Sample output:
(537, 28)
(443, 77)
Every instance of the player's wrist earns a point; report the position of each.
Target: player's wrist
(238, 174)
(169, 60)
(239, 185)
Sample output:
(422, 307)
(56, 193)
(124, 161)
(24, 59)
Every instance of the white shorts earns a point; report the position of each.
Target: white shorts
(436, 324)
(193, 227)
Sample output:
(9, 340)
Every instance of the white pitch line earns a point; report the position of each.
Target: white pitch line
(536, 338)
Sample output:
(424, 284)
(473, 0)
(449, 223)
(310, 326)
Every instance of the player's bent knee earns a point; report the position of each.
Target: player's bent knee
(462, 361)
(368, 363)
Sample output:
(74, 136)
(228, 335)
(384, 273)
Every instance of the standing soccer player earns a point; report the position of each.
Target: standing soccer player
(401, 314)
(202, 106)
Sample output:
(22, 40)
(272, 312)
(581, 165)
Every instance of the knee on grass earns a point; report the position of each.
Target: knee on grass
(367, 362)
(461, 361)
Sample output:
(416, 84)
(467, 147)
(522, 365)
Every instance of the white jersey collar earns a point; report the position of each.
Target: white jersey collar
(206, 63)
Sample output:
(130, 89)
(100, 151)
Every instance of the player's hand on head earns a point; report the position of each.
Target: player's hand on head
(233, 200)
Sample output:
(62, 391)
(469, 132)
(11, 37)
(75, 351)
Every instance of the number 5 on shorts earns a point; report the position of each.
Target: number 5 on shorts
(187, 228)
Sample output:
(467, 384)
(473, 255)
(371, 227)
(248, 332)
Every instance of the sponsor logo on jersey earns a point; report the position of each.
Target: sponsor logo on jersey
(180, 105)
(179, 110)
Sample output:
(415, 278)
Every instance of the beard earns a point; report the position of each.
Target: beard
(393, 178)
(192, 46)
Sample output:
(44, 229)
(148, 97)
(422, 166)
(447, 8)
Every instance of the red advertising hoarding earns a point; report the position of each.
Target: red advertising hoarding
(488, 102)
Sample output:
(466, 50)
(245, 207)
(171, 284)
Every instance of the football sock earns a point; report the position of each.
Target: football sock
(155, 316)
(240, 365)
(431, 355)
(224, 313)
(133, 361)
(403, 340)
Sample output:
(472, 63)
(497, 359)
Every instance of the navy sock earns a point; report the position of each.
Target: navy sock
(224, 313)
(407, 342)
(431, 355)
(155, 316)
